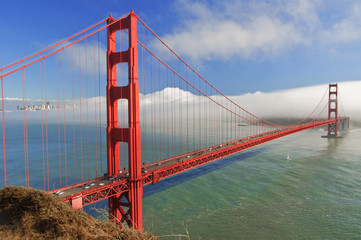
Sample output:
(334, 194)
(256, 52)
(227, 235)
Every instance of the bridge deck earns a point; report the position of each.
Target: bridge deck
(105, 187)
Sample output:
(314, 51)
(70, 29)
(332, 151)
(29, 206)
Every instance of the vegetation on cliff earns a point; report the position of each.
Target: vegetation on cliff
(27, 213)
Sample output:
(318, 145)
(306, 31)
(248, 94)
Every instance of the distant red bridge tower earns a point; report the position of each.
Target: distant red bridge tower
(332, 110)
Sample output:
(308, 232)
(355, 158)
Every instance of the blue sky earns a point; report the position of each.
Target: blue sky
(238, 46)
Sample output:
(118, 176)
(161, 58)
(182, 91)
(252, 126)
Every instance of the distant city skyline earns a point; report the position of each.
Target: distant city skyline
(45, 106)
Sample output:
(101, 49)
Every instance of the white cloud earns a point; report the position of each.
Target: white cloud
(346, 30)
(265, 29)
(299, 102)
(175, 103)
(291, 103)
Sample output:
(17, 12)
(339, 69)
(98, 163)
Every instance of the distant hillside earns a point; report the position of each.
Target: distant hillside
(27, 213)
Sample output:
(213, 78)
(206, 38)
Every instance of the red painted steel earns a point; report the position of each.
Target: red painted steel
(112, 118)
(332, 110)
(77, 202)
(121, 185)
(71, 43)
(130, 135)
(124, 190)
(52, 46)
(134, 141)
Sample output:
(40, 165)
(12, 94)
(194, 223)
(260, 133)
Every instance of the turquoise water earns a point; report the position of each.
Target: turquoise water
(259, 194)
(255, 194)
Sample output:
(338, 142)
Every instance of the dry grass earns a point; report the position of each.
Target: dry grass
(27, 213)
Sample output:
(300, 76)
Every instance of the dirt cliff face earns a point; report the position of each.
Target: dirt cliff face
(27, 213)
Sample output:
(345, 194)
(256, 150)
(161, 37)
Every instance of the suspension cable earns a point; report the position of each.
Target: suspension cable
(262, 120)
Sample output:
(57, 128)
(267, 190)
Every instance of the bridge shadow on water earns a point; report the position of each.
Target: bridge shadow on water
(99, 209)
(201, 170)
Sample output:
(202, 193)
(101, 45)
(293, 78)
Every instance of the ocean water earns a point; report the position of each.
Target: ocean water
(260, 194)
(255, 194)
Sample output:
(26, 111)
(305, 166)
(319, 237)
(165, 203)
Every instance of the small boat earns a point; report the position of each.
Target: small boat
(288, 157)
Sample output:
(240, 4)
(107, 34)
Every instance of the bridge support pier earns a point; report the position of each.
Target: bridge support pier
(77, 202)
(125, 207)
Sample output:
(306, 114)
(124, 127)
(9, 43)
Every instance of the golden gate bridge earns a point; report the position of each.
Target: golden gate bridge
(162, 118)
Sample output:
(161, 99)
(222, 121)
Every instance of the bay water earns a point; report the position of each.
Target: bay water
(260, 193)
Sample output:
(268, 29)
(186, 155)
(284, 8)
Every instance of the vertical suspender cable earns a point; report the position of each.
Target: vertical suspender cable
(95, 111)
(163, 112)
(206, 119)
(87, 108)
(232, 138)
(168, 117)
(152, 105)
(42, 122)
(64, 106)
(27, 138)
(180, 114)
(187, 115)
(144, 131)
(46, 127)
(200, 118)
(159, 113)
(25, 123)
(100, 112)
(214, 132)
(80, 118)
(3, 126)
(172, 106)
(58, 109)
(73, 103)
(194, 116)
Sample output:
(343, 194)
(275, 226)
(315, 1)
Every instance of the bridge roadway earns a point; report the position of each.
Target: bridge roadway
(91, 191)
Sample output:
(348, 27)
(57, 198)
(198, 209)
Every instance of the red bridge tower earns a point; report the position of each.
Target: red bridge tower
(332, 110)
(128, 206)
